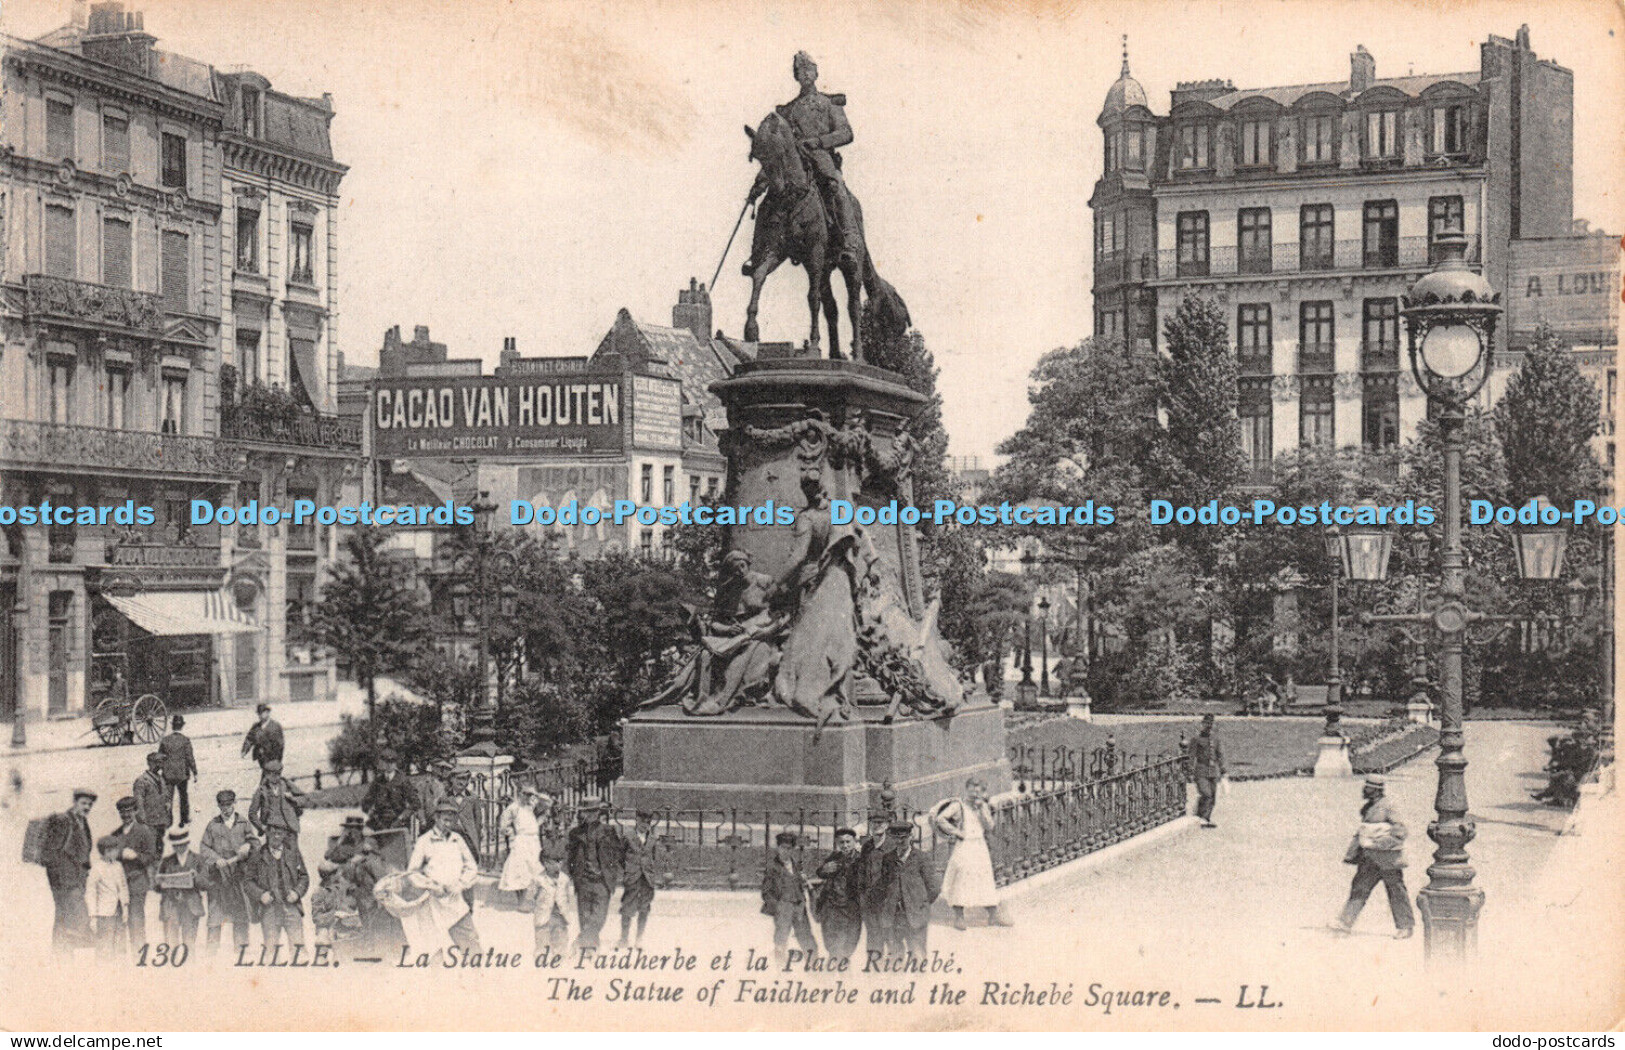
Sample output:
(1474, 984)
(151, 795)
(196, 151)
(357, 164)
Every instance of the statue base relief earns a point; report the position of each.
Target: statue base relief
(759, 759)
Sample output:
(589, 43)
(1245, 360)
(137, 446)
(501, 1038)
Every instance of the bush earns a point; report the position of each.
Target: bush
(539, 720)
(410, 729)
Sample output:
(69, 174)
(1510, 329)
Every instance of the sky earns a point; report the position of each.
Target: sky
(527, 169)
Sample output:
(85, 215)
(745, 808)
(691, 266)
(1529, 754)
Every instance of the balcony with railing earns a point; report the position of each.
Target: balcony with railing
(334, 433)
(1404, 253)
(67, 301)
(1254, 363)
(1379, 355)
(1316, 359)
(61, 446)
(162, 555)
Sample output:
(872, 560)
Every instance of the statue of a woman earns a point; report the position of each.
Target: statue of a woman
(820, 648)
(736, 650)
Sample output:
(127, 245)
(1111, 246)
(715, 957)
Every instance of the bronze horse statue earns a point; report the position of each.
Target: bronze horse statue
(793, 224)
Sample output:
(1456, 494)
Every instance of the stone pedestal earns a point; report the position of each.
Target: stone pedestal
(1081, 708)
(1420, 712)
(762, 759)
(1333, 760)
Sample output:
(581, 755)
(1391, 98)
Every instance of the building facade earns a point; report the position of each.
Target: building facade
(115, 271)
(1307, 211)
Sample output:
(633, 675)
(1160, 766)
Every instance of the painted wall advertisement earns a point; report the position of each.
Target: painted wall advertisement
(657, 412)
(1571, 283)
(589, 485)
(543, 415)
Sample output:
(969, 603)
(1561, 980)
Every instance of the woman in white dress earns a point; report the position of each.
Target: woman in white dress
(968, 882)
(520, 828)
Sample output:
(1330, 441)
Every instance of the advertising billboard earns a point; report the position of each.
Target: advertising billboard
(1571, 283)
(519, 416)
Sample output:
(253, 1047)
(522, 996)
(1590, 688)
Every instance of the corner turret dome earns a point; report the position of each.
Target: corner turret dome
(1125, 92)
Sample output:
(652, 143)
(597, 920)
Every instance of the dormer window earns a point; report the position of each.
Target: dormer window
(1255, 143)
(251, 113)
(1113, 160)
(1450, 129)
(1320, 138)
(1195, 147)
(1382, 134)
(1134, 149)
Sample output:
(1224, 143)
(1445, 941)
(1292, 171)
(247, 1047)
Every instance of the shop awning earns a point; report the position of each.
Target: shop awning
(170, 613)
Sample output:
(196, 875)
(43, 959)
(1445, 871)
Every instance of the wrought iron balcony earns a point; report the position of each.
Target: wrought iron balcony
(1315, 359)
(1405, 253)
(1254, 362)
(335, 433)
(59, 446)
(162, 555)
(99, 305)
(1379, 356)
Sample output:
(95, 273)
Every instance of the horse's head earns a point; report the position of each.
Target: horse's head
(773, 146)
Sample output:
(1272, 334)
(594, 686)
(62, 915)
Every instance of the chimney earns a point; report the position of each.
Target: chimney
(420, 333)
(1362, 70)
(117, 38)
(693, 311)
(80, 15)
(510, 350)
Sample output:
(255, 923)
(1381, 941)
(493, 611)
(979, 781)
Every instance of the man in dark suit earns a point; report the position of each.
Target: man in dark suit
(1207, 768)
(903, 882)
(595, 860)
(264, 739)
(65, 853)
(139, 851)
(641, 868)
(179, 765)
(784, 897)
(276, 881)
(152, 797)
(840, 897)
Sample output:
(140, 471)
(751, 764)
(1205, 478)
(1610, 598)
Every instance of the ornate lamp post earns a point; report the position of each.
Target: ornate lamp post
(1075, 687)
(1450, 318)
(1043, 646)
(484, 566)
(1333, 760)
(1027, 690)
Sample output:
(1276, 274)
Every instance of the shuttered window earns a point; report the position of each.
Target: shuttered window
(116, 253)
(61, 243)
(58, 129)
(115, 144)
(176, 286)
(174, 161)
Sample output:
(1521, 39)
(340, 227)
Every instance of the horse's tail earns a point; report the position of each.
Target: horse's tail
(884, 308)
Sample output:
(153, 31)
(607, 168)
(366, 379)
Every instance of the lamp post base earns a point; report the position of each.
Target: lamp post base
(1333, 760)
(1450, 923)
(1080, 707)
(1420, 712)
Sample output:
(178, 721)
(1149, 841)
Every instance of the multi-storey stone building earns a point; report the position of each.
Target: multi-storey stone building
(1307, 211)
(115, 188)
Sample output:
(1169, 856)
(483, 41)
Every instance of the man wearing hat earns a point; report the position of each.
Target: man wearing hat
(784, 897)
(139, 851)
(264, 739)
(594, 855)
(640, 869)
(902, 884)
(276, 881)
(390, 804)
(152, 797)
(181, 878)
(1378, 855)
(443, 865)
(179, 765)
(276, 802)
(228, 842)
(840, 895)
(1207, 768)
(65, 853)
(347, 843)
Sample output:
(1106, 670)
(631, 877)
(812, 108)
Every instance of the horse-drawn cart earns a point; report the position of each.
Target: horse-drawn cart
(120, 720)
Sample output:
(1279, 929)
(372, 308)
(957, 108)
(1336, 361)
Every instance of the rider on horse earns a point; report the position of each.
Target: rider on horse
(820, 127)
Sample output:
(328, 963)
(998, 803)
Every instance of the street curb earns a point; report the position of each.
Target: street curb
(27, 751)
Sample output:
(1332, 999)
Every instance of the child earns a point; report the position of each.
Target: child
(332, 911)
(107, 894)
(181, 878)
(553, 902)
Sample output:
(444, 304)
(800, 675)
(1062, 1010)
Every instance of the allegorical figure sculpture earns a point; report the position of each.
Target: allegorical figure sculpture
(821, 648)
(735, 651)
(809, 217)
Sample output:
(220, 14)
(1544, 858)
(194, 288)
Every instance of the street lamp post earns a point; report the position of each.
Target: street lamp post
(1026, 690)
(484, 564)
(1075, 685)
(1450, 319)
(1043, 647)
(1333, 760)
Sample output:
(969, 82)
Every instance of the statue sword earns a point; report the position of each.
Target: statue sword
(726, 248)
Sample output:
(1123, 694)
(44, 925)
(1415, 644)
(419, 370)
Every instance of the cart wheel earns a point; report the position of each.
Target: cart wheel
(108, 723)
(149, 718)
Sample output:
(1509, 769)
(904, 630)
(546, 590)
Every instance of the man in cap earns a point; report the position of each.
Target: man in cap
(264, 739)
(181, 877)
(640, 869)
(840, 895)
(276, 803)
(65, 853)
(784, 897)
(228, 842)
(139, 852)
(903, 882)
(444, 865)
(391, 801)
(1378, 855)
(179, 764)
(1207, 768)
(152, 796)
(594, 858)
(276, 881)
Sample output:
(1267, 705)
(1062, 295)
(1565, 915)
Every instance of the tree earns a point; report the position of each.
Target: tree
(1197, 390)
(370, 612)
(1546, 421)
